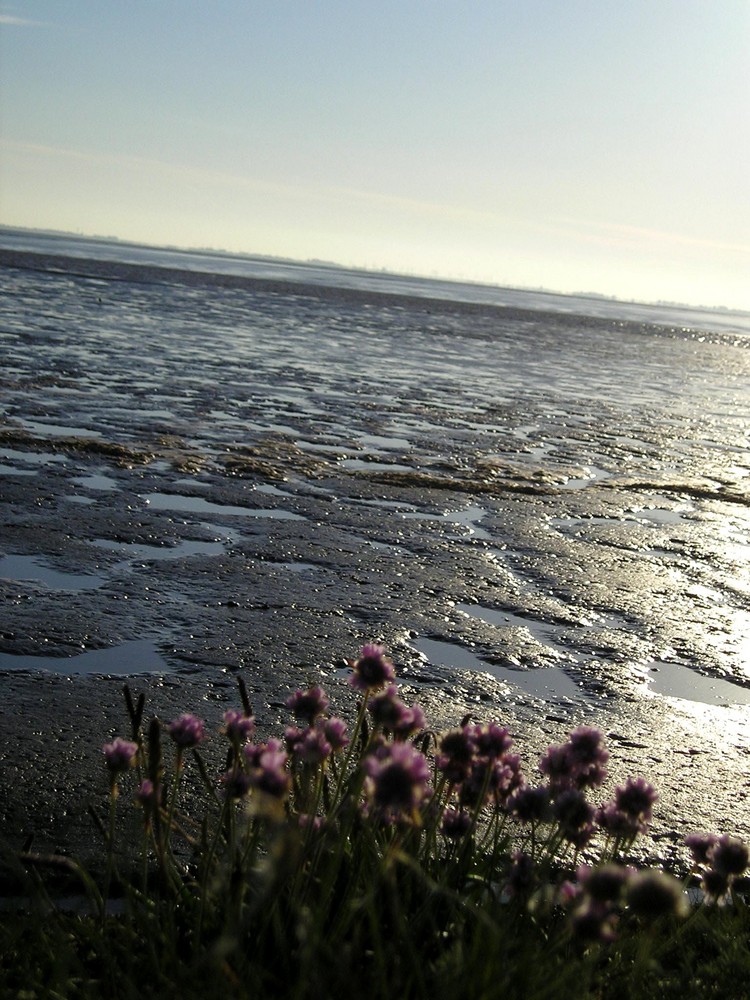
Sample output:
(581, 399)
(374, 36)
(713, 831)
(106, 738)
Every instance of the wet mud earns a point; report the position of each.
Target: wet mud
(543, 558)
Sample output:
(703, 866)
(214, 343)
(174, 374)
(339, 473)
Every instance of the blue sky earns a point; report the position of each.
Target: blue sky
(578, 145)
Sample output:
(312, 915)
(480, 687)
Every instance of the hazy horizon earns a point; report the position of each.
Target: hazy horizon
(586, 148)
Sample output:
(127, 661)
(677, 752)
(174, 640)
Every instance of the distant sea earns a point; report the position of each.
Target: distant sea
(333, 276)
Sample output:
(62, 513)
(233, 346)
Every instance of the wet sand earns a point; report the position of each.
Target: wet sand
(179, 511)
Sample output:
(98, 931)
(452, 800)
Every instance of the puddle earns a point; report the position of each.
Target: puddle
(137, 657)
(383, 442)
(544, 634)
(59, 430)
(97, 482)
(197, 505)
(676, 680)
(31, 457)
(399, 505)
(151, 553)
(465, 518)
(363, 465)
(31, 569)
(548, 683)
(11, 470)
(272, 491)
(591, 474)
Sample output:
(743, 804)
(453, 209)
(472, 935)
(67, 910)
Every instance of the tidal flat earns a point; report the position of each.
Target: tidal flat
(543, 516)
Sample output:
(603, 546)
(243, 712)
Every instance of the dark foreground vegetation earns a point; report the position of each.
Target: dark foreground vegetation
(371, 859)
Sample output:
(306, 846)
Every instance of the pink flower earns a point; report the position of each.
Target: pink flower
(372, 670)
(238, 726)
(397, 781)
(119, 754)
(187, 731)
(308, 705)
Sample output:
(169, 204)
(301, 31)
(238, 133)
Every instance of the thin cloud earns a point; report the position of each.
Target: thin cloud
(21, 22)
(614, 234)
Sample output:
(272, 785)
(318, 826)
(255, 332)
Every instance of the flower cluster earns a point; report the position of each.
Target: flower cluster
(603, 895)
(471, 789)
(719, 861)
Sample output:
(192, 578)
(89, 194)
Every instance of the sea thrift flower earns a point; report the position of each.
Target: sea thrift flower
(636, 799)
(700, 845)
(335, 733)
(490, 739)
(390, 712)
(656, 894)
(579, 763)
(593, 922)
(236, 783)
(575, 815)
(531, 805)
(119, 754)
(146, 796)
(308, 745)
(604, 884)
(372, 670)
(557, 766)
(308, 705)
(588, 756)
(397, 780)
(238, 726)
(146, 793)
(729, 856)
(715, 883)
(267, 769)
(456, 823)
(456, 755)
(187, 731)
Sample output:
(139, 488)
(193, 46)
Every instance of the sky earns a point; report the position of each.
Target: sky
(576, 145)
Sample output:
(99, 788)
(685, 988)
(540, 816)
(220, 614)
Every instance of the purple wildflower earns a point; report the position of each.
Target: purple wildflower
(187, 731)
(335, 733)
(593, 922)
(456, 755)
(652, 894)
(700, 846)
(531, 805)
(308, 745)
(267, 769)
(397, 780)
(146, 793)
(148, 798)
(372, 670)
(574, 814)
(490, 739)
(308, 705)
(308, 822)
(456, 823)
(119, 754)
(557, 765)
(604, 884)
(729, 855)
(238, 726)
(236, 783)
(578, 763)
(588, 755)
(715, 883)
(636, 799)
(391, 713)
